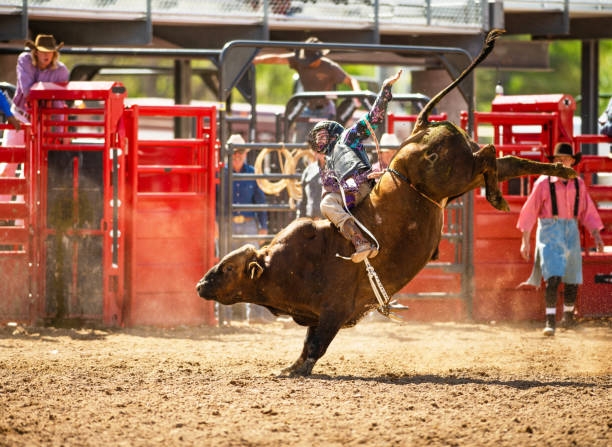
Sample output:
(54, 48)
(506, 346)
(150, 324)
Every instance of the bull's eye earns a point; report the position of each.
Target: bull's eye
(228, 268)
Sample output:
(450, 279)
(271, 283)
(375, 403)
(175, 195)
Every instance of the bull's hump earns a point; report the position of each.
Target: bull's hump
(302, 228)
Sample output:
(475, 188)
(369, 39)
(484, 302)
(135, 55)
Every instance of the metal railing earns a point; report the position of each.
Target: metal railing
(335, 14)
(85, 8)
(584, 6)
(464, 16)
(419, 12)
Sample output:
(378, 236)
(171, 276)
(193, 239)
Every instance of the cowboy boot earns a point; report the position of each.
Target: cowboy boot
(549, 329)
(569, 299)
(552, 285)
(363, 248)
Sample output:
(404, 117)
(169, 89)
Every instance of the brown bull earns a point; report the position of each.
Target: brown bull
(299, 274)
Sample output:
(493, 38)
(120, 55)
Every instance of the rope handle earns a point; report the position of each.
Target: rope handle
(375, 138)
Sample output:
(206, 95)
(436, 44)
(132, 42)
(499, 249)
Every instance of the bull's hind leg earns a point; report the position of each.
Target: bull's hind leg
(510, 167)
(485, 162)
(317, 341)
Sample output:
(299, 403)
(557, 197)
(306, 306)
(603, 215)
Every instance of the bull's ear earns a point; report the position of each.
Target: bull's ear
(255, 270)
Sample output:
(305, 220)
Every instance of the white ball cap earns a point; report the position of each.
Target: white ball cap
(389, 139)
(235, 139)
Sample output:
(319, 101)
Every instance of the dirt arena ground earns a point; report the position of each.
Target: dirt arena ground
(380, 384)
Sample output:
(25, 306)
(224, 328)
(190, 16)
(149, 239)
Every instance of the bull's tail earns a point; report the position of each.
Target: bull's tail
(423, 118)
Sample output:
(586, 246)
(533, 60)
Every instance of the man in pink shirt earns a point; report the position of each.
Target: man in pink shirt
(554, 204)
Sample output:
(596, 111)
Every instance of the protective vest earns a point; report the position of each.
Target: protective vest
(345, 160)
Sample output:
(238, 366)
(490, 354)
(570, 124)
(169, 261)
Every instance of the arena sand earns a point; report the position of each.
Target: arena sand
(380, 384)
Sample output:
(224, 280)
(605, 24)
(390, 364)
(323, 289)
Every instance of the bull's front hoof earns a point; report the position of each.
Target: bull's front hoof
(299, 369)
(503, 205)
(499, 202)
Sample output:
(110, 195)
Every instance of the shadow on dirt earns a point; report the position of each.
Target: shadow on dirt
(417, 330)
(210, 333)
(48, 334)
(454, 380)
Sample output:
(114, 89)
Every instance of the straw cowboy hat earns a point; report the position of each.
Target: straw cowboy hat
(237, 139)
(389, 139)
(307, 57)
(44, 42)
(565, 149)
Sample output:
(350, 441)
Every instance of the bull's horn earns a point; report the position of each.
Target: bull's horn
(255, 270)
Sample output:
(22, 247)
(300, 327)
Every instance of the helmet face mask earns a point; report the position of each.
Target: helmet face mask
(324, 135)
(321, 138)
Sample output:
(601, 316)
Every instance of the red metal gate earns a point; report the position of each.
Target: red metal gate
(106, 226)
(16, 256)
(498, 266)
(171, 229)
(79, 190)
(595, 296)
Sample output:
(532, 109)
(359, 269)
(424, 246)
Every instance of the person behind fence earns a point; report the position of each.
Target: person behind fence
(347, 166)
(246, 222)
(5, 106)
(40, 64)
(558, 205)
(605, 120)
(312, 188)
(317, 73)
(246, 192)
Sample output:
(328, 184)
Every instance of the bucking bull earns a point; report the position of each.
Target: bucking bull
(298, 273)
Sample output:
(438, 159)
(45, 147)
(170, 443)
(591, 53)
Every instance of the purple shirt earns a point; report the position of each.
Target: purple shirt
(28, 74)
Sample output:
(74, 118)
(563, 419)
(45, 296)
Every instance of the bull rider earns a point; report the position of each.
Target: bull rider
(347, 166)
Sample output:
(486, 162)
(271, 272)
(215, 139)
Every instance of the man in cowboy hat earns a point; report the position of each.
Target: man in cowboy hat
(389, 144)
(243, 223)
(558, 205)
(317, 73)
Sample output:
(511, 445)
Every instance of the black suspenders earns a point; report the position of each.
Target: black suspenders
(577, 198)
(553, 198)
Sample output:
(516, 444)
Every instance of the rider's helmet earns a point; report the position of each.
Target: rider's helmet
(334, 130)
